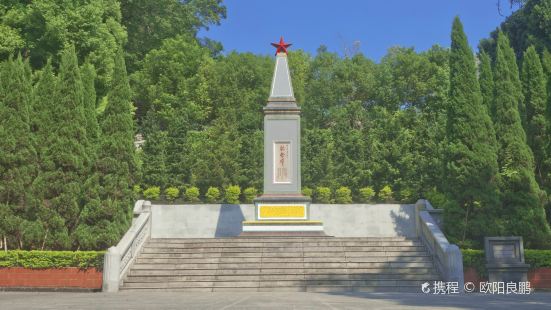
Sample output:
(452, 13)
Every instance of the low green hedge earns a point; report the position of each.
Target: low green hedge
(477, 260)
(538, 258)
(52, 259)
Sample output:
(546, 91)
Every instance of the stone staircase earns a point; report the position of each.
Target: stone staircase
(316, 264)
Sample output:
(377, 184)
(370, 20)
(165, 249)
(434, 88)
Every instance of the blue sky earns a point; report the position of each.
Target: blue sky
(252, 24)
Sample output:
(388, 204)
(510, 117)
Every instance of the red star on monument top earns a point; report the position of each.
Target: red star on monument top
(281, 46)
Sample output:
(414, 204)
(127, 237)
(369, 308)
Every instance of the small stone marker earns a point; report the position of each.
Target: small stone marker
(505, 259)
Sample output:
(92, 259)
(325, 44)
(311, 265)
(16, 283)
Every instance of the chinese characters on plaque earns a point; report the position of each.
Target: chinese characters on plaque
(281, 158)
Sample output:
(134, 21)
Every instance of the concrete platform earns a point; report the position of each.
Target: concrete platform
(268, 300)
(223, 220)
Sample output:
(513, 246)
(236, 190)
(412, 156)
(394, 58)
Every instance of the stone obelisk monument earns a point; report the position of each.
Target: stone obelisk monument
(282, 209)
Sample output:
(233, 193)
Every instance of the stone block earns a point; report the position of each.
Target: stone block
(505, 259)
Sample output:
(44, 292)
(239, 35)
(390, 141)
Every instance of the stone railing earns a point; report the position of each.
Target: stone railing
(119, 258)
(446, 256)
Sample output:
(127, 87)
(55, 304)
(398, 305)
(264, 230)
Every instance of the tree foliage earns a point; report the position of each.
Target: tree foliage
(471, 156)
(537, 126)
(414, 125)
(150, 22)
(523, 211)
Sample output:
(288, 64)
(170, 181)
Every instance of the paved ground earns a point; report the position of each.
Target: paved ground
(280, 300)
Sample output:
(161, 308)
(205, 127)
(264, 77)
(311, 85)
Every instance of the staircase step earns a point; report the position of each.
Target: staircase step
(287, 255)
(319, 271)
(148, 249)
(348, 285)
(308, 264)
(280, 277)
(153, 244)
(277, 239)
(283, 260)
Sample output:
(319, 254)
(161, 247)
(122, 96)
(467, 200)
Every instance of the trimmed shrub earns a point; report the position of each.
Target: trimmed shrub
(406, 195)
(366, 194)
(538, 258)
(137, 190)
(152, 192)
(323, 194)
(212, 195)
(475, 259)
(385, 194)
(306, 191)
(343, 195)
(192, 194)
(436, 199)
(52, 259)
(249, 194)
(172, 193)
(232, 193)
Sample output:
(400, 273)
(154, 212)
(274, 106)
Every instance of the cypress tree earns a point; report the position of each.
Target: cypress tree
(92, 126)
(155, 171)
(514, 76)
(43, 103)
(523, 212)
(535, 98)
(64, 159)
(18, 155)
(18, 164)
(43, 125)
(117, 144)
(486, 81)
(471, 160)
(91, 231)
(116, 163)
(546, 63)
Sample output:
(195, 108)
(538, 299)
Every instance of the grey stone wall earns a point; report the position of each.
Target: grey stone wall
(221, 220)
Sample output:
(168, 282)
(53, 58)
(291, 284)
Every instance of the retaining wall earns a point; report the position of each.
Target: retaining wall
(539, 278)
(339, 220)
(61, 278)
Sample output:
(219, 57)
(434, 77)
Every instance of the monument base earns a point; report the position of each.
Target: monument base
(283, 228)
(283, 215)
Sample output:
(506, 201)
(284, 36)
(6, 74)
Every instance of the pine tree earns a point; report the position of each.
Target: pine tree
(535, 98)
(104, 221)
(18, 164)
(64, 159)
(471, 160)
(486, 81)
(523, 212)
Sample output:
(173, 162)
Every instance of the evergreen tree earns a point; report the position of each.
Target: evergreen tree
(523, 212)
(43, 104)
(107, 219)
(471, 160)
(90, 234)
(155, 171)
(546, 63)
(92, 126)
(486, 81)
(64, 159)
(514, 75)
(54, 228)
(535, 97)
(18, 164)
